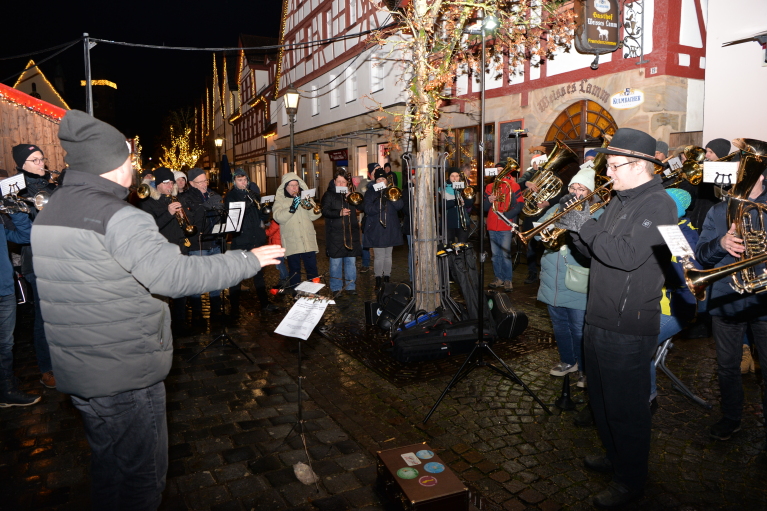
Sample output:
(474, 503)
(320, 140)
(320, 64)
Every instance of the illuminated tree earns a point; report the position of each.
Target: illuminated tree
(181, 151)
(435, 48)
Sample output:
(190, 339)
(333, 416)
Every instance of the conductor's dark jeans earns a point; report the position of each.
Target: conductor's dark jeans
(128, 435)
(728, 336)
(617, 369)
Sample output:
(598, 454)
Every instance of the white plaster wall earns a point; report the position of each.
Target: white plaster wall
(735, 103)
(564, 62)
(689, 30)
(695, 94)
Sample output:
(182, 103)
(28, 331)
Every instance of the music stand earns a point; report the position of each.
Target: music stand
(482, 346)
(224, 337)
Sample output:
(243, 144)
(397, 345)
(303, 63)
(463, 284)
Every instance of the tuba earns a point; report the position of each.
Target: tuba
(749, 220)
(501, 198)
(549, 184)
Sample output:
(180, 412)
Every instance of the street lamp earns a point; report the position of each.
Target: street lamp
(291, 97)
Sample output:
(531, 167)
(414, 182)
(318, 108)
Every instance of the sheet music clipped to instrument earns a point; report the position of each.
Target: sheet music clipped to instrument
(302, 318)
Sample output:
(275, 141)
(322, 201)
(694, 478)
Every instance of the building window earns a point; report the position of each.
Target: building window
(315, 101)
(351, 85)
(334, 92)
(376, 73)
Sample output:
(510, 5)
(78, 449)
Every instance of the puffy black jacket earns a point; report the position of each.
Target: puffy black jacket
(204, 212)
(723, 300)
(376, 235)
(339, 228)
(451, 205)
(166, 223)
(628, 255)
(251, 234)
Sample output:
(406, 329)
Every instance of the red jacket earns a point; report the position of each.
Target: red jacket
(510, 206)
(273, 233)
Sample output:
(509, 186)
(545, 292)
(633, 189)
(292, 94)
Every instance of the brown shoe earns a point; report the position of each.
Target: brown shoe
(48, 380)
(508, 286)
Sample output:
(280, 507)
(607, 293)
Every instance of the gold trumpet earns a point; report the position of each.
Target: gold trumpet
(550, 235)
(308, 203)
(188, 227)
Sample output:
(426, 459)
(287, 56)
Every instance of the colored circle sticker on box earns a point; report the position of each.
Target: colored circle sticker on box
(427, 481)
(434, 467)
(407, 473)
(425, 454)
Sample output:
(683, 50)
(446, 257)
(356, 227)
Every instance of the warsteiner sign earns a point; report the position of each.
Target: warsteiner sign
(597, 26)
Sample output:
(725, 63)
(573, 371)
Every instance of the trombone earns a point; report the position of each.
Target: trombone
(353, 198)
(390, 193)
(467, 193)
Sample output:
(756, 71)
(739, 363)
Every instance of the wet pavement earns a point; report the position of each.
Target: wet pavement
(229, 422)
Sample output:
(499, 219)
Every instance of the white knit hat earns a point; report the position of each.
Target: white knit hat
(584, 177)
(178, 174)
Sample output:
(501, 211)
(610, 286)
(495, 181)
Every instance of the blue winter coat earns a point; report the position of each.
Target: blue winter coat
(376, 235)
(553, 290)
(723, 300)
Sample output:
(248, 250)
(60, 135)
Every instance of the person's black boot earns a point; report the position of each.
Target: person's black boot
(532, 278)
(378, 283)
(263, 297)
(386, 278)
(10, 395)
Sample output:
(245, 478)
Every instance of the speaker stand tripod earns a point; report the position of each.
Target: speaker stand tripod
(477, 359)
(224, 338)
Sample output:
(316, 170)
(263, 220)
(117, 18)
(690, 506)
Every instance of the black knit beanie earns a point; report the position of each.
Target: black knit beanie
(92, 146)
(22, 151)
(720, 146)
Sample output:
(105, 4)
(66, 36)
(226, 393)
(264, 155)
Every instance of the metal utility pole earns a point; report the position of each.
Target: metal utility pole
(88, 89)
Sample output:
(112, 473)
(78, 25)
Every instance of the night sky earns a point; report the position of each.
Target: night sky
(150, 82)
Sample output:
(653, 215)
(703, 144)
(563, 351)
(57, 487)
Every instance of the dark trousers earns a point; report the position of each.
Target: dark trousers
(128, 435)
(619, 384)
(294, 267)
(41, 343)
(728, 337)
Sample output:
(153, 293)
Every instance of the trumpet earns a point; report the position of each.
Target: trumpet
(690, 171)
(183, 220)
(550, 235)
(308, 203)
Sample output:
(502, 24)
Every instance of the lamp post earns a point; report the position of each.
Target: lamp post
(291, 97)
(486, 24)
(219, 143)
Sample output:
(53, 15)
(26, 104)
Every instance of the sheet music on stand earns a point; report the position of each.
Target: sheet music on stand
(232, 222)
(13, 184)
(302, 318)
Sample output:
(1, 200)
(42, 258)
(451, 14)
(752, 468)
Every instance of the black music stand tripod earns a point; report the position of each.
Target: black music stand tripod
(477, 359)
(224, 338)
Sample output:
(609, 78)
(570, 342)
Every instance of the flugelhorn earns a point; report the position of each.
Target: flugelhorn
(183, 220)
(308, 203)
(549, 233)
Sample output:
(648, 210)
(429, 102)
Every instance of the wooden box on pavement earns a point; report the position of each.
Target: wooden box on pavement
(415, 477)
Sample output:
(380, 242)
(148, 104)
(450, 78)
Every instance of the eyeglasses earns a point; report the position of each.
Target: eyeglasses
(38, 161)
(576, 189)
(615, 167)
(200, 181)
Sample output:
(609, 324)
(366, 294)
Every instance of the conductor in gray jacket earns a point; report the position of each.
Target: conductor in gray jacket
(98, 262)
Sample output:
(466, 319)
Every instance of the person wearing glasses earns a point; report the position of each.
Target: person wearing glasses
(623, 309)
(30, 161)
(205, 208)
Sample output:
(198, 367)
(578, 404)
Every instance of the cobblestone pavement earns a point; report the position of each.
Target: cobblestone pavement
(228, 422)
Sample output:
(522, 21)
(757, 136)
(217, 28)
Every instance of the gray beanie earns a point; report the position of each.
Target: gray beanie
(92, 146)
(195, 173)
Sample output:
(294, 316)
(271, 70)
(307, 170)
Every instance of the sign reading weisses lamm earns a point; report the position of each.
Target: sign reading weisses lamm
(597, 26)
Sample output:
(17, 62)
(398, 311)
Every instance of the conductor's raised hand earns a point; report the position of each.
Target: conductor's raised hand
(268, 254)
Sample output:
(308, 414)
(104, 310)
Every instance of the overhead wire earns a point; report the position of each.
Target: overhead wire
(16, 75)
(40, 51)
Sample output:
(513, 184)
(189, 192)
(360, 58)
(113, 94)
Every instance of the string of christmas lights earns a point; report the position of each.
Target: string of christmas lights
(42, 108)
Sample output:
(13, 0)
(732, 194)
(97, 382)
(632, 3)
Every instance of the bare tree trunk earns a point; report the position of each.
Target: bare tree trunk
(425, 233)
